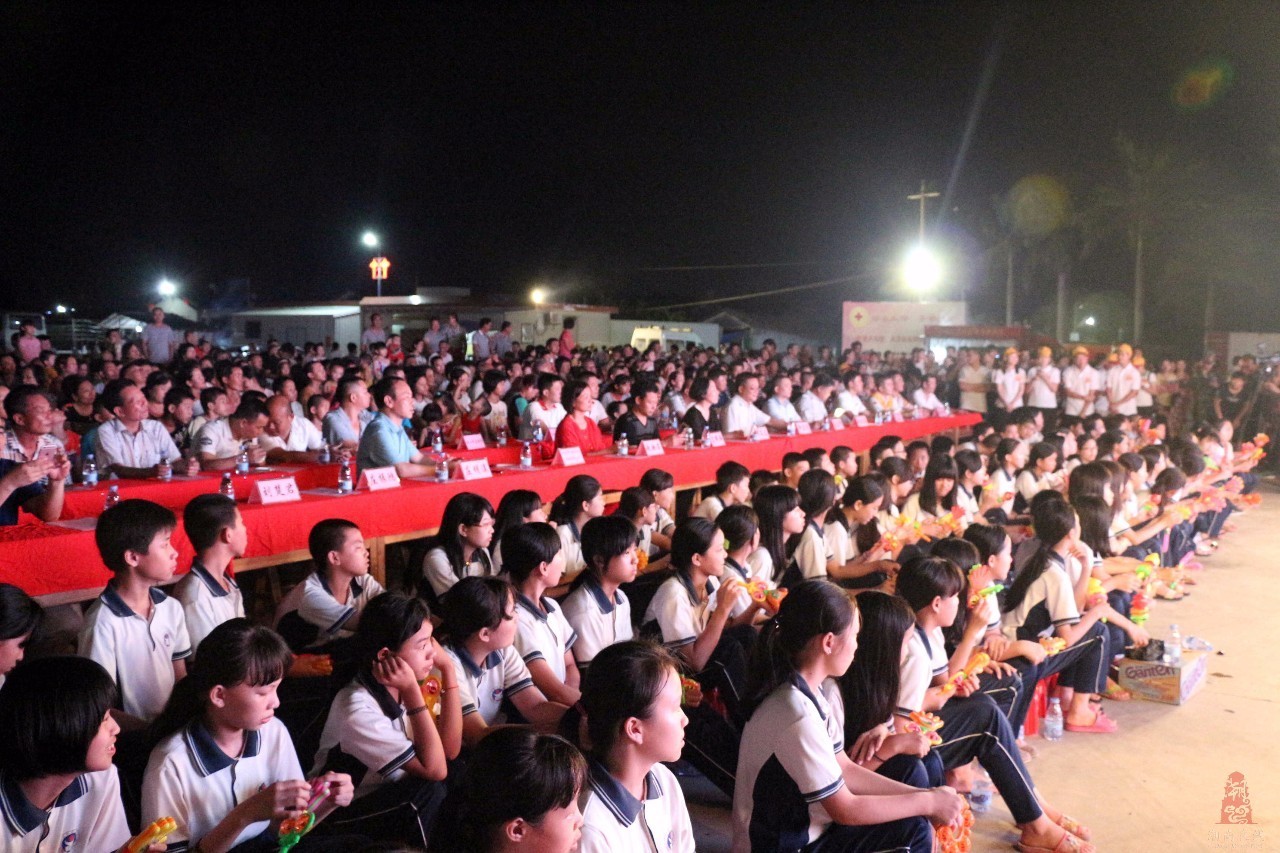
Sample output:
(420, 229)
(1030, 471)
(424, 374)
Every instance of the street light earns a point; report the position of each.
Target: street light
(370, 239)
(166, 287)
(538, 295)
(921, 269)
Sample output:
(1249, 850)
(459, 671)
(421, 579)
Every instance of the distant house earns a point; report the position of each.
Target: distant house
(329, 323)
(750, 331)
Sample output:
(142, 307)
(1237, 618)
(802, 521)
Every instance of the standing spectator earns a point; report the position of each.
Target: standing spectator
(1123, 384)
(434, 336)
(28, 344)
(501, 341)
(480, 343)
(159, 340)
(567, 343)
(1080, 385)
(375, 334)
(974, 378)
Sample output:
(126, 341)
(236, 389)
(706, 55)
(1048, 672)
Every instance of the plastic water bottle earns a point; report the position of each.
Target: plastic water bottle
(501, 438)
(437, 441)
(242, 461)
(538, 434)
(442, 467)
(706, 432)
(688, 438)
(1053, 723)
(113, 498)
(226, 487)
(980, 796)
(623, 446)
(89, 471)
(344, 478)
(791, 428)
(325, 454)
(526, 455)
(164, 470)
(1173, 647)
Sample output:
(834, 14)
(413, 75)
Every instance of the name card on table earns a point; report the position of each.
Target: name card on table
(715, 439)
(651, 447)
(860, 420)
(475, 469)
(278, 491)
(897, 417)
(567, 456)
(803, 428)
(472, 441)
(377, 479)
(760, 434)
(834, 424)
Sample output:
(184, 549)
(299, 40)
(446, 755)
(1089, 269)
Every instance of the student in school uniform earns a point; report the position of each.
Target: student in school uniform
(461, 548)
(635, 722)
(781, 520)
(480, 622)
(535, 564)
(323, 611)
(796, 788)
(812, 558)
(581, 501)
(597, 610)
(209, 593)
(932, 587)
(393, 740)
(20, 618)
(1009, 458)
(58, 786)
(637, 505)
(732, 487)
(225, 768)
(741, 529)
(866, 564)
(663, 488)
(518, 506)
(134, 631)
(541, 778)
(937, 495)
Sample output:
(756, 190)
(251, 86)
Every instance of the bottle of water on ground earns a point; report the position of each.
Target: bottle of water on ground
(980, 795)
(1173, 647)
(1053, 723)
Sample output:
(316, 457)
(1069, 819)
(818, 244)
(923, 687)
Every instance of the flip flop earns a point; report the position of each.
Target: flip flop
(1115, 693)
(1068, 843)
(1075, 827)
(1101, 725)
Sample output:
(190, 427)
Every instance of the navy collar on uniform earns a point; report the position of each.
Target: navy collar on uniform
(207, 756)
(803, 686)
(19, 812)
(490, 661)
(112, 601)
(215, 588)
(356, 586)
(624, 807)
(538, 609)
(597, 592)
(733, 564)
(686, 581)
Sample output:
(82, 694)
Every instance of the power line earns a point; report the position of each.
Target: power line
(760, 293)
(695, 268)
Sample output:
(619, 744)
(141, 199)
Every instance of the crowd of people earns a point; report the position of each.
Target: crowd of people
(795, 635)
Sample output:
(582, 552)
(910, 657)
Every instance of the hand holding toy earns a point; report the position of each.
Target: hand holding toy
(922, 722)
(156, 833)
(976, 665)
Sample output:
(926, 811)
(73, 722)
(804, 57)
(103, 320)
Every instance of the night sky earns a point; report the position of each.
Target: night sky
(578, 145)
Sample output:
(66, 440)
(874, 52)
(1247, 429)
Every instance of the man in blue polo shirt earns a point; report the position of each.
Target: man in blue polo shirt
(384, 441)
(36, 486)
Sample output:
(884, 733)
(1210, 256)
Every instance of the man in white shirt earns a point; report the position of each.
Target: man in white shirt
(219, 442)
(974, 379)
(741, 417)
(1009, 382)
(480, 347)
(1080, 384)
(813, 403)
(1124, 383)
(926, 397)
(779, 404)
(1043, 380)
(132, 445)
(288, 438)
(850, 399)
(547, 408)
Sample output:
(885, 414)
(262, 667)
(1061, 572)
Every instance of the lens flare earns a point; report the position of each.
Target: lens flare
(1202, 85)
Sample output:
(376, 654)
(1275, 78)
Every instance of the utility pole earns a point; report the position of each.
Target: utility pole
(922, 197)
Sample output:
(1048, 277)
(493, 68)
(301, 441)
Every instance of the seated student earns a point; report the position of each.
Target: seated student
(20, 617)
(208, 593)
(540, 776)
(1041, 473)
(972, 496)
(326, 606)
(136, 632)
(637, 505)
(859, 504)
(581, 501)
(819, 460)
(57, 781)
(761, 478)
(897, 475)
(796, 788)
(480, 622)
(597, 610)
(845, 461)
(741, 528)
(461, 548)
(732, 487)
(1009, 458)
(918, 460)
(535, 564)
(518, 506)
(224, 767)
(931, 587)
(382, 730)
(936, 497)
(810, 559)
(794, 466)
(781, 519)
(663, 487)
(635, 724)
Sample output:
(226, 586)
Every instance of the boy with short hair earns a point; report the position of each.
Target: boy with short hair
(136, 632)
(209, 594)
(733, 486)
(794, 466)
(326, 606)
(846, 465)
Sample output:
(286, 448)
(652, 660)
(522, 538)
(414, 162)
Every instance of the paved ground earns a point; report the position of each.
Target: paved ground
(1157, 785)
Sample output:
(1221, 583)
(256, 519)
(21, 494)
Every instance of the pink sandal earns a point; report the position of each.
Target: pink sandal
(1101, 725)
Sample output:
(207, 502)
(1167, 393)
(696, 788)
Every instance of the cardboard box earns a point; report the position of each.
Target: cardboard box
(1157, 682)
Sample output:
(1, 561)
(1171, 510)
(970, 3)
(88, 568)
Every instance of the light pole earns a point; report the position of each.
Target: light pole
(379, 265)
(921, 270)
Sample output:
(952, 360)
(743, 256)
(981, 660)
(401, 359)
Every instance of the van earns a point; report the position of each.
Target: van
(666, 336)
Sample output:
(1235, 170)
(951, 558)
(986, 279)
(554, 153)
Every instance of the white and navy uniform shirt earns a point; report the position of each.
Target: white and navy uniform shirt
(839, 541)
(614, 821)
(598, 621)
(366, 735)
(966, 501)
(811, 555)
(912, 510)
(190, 779)
(1004, 483)
(501, 675)
(314, 603)
(680, 615)
(87, 817)
(1050, 602)
(441, 574)
(205, 603)
(760, 565)
(571, 544)
(664, 522)
(542, 633)
(925, 660)
(137, 653)
(786, 766)
(734, 570)
(710, 508)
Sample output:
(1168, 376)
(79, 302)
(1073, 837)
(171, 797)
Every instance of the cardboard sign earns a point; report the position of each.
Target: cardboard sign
(281, 490)
(803, 428)
(472, 441)
(474, 469)
(760, 434)
(377, 479)
(860, 420)
(651, 447)
(715, 439)
(567, 456)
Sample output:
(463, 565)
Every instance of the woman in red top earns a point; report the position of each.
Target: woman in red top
(578, 429)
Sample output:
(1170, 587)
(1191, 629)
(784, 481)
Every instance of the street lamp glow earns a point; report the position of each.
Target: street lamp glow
(921, 269)
(61, 309)
(538, 296)
(166, 287)
(370, 239)
(1089, 321)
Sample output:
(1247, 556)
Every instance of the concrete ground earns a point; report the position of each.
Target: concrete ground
(1157, 784)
